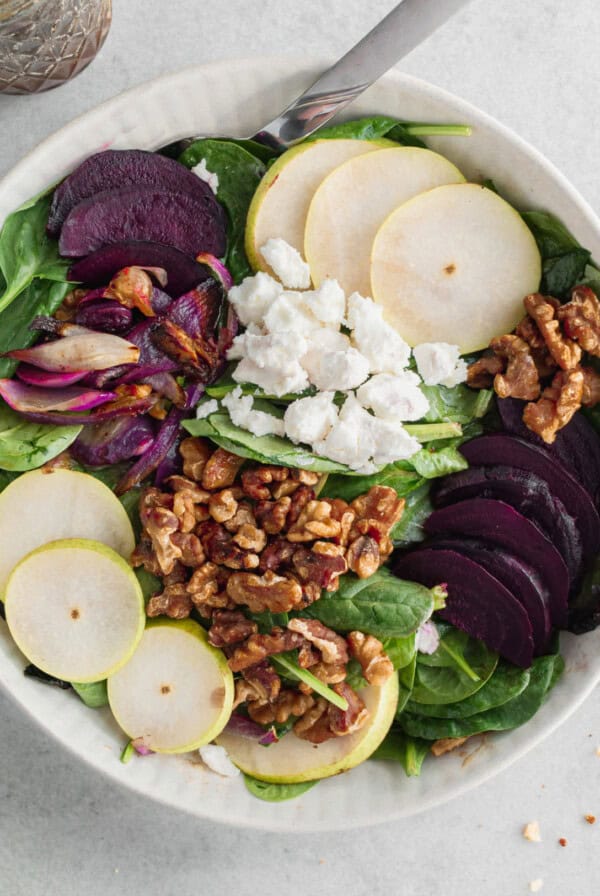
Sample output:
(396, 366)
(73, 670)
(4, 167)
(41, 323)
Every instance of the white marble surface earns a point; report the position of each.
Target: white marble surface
(64, 830)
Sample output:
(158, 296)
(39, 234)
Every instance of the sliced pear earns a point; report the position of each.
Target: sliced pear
(176, 691)
(280, 204)
(292, 760)
(75, 609)
(40, 506)
(453, 265)
(352, 203)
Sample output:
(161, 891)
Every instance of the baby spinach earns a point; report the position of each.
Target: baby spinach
(507, 682)
(458, 405)
(401, 651)
(40, 297)
(350, 487)
(92, 693)
(430, 463)
(564, 260)
(26, 252)
(149, 583)
(381, 605)
(459, 667)
(26, 446)
(544, 673)
(407, 133)
(406, 680)
(6, 478)
(276, 793)
(408, 751)
(239, 174)
(417, 508)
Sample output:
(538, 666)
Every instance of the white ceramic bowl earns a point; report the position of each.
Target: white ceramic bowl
(236, 98)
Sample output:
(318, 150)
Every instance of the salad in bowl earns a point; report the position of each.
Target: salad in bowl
(299, 454)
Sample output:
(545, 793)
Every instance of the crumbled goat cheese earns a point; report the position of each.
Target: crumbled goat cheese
(206, 409)
(439, 363)
(272, 380)
(324, 341)
(536, 885)
(327, 303)
(209, 177)
(531, 832)
(290, 314)
(253, 297)
(340, 371)
(374, 338)
(218, 761)
(351, 440)
(310, 420)
(241, 411)
(286, 263)
(428, 638)
(392, 442)
(274, 350)
(394, 397)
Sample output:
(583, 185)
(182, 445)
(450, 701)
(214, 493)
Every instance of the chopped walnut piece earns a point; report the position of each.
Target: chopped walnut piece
(185, 511)
(374, 662)
(315, 521)
(182, 484)
(279, 594)
(264, 679)
(521, 378)
(314, 724)
(195, 453)
(543, 310)
(481, 373)
(160, 523)
(591, 387)
(144, 555)
(222, 506)
(447, 744)
(363, 556)
(189, 544)
(272, 515)
(250, 538)
(305, 477)
(174, 601)
(329, 673)
(207, 589)
(277, 553)
(246, 692)
(298, 502)
(220, 547)
(230, 627)
(528, 331)
(557, 405)
(346, 721)
(256, 480)
(323, 564)
(580, 318)
(332, 646)
(258, 647)
(381, 504)
(342, 512)
(288, 703)
(244, 516)
(220, 469)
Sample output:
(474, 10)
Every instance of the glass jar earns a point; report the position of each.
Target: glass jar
(43, 43)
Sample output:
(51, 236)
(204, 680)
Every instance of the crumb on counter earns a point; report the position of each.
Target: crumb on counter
(563, 841)
(536, 885)
(531, 832)
(591, 819)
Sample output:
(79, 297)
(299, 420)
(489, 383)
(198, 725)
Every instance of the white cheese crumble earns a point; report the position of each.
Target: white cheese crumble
(324, 340)
(311, 419)
(286, 263)
(253, 297)
(394, 397)
(327, 303)
(385, 349)
(340, 371)
(351, 440)
(209, 177)
(439, 364)
(241, 411)
(289, 313)
(218, 761)
(531, 832)
(206, 409)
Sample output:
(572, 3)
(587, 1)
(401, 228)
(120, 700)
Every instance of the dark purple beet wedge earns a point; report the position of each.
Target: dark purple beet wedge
(189, 224)
(518, 577)
(117, 169)
(502, 525)
(528, 494)
(477, 602)
(499, 448)
(183, 272)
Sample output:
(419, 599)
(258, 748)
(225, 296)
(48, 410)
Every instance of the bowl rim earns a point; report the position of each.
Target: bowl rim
(314, 65)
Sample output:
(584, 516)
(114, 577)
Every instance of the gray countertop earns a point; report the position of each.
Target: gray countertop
(64, 829)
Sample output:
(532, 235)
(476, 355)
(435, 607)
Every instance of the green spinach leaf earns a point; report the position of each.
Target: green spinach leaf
(376, 127)
(40, 297)
(564, 260)
(429, 463)
(459, 667)
(350, 487)
(381, 605)
(276, 793)
(458, 405)
(408, 751)
(401, 651)
(149, 583)
(26, 446)
(239, 174)
(417, 509)
(406, 680)
(92, 693)
(507, 682)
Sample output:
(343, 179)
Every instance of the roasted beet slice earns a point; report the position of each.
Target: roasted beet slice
(510, 450)
(478, 603)
(183, 272)
(502, 525)
(518, 577)
(144, 213)
(524, 491)
(116, 169)
(577, 445)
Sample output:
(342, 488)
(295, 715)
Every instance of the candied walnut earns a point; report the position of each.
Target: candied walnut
(381, 504)
(557, 405)
(265, 681)
(258, 647)
(244, 516)
(250, 538)
(591, 387)
(298, 502)
(346, 721)
(220, 469)
(185, 511)
(314, 724)
(272, 515)
(177, 575)
(342, 512)
(528, 331)
(160, 523)
(332, 646)
(174, 602)
(580, 318)
(374, 662)
(481, 373)
(363, 556)
(285, 488)
(329, 673)
(220, 547)
(230, 627)
(289, 703)
(307, 656)
(446, 744)
(246, 692)
(277, 553)
(256, 480)
(279, 594)
(323, 564)
(521, 378)
(223, 506)
(189, 544)
(182, 484)
(315, 521)
(543, 310)
(144, 555)
(207, 589)
(195, 453)
(305, 477)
